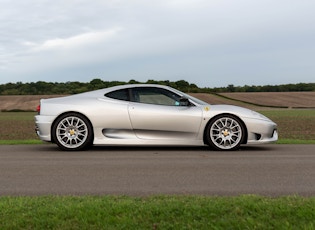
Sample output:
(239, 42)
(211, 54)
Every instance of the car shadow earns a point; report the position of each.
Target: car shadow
(179, 148)
(244, 148)
(148, 148)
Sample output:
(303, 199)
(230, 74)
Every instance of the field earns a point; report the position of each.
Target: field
(17, 125)
(293, 124)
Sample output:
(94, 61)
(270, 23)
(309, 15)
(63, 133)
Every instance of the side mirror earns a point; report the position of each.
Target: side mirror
(184, 102)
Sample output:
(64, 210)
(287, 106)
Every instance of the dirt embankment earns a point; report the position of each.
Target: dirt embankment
(22, 102)
(249, 100)
(276, 99)
(262, 99)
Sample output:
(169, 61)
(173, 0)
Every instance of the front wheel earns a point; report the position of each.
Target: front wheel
(225, 132)
(72, 132)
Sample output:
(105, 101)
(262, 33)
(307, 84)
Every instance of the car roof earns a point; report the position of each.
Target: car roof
(135, 86)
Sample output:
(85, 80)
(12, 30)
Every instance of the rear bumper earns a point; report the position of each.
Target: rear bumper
(43, 127)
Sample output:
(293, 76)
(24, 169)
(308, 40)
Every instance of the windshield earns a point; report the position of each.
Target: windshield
(193, 99)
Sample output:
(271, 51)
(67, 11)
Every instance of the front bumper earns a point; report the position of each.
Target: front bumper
(261, 131)
(260, 140)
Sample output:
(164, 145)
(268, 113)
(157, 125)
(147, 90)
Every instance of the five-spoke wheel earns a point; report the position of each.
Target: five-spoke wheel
(72, 132)
(225, 132)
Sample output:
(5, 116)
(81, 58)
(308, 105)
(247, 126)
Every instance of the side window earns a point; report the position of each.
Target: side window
(121, 94)
(157, 96)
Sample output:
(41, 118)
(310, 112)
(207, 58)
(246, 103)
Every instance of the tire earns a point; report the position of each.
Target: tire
(72, 132)
(225, 132)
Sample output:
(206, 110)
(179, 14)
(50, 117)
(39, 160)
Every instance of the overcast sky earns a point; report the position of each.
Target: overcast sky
(207, 42)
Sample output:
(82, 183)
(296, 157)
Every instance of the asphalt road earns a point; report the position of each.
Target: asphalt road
(271, 170)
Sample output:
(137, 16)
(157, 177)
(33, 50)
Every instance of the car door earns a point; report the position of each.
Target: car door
(156, 113)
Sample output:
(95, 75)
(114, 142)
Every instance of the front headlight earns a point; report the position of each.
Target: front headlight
(260, 116)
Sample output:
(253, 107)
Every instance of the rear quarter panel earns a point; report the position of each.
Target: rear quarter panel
(101, 112)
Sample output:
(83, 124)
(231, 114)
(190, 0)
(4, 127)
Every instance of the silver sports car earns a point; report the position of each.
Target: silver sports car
(143, 114)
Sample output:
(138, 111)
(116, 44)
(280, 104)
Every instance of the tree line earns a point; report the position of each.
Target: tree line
(50, 88)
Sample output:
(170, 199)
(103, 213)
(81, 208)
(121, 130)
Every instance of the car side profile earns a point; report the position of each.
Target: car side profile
(143, 114)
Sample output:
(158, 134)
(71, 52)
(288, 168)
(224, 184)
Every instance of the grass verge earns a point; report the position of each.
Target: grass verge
(157, 212)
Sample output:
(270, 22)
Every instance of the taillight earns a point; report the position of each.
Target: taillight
(38, 109)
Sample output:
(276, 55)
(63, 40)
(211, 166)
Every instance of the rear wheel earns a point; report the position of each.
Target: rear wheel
(225, 132)
(72, 132)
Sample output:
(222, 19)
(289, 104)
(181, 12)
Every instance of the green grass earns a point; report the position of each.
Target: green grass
(157, 212)
(294, 124)
(17, 126)
(17, 116)
(295, 141)
(289, 112)
(20, 142)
